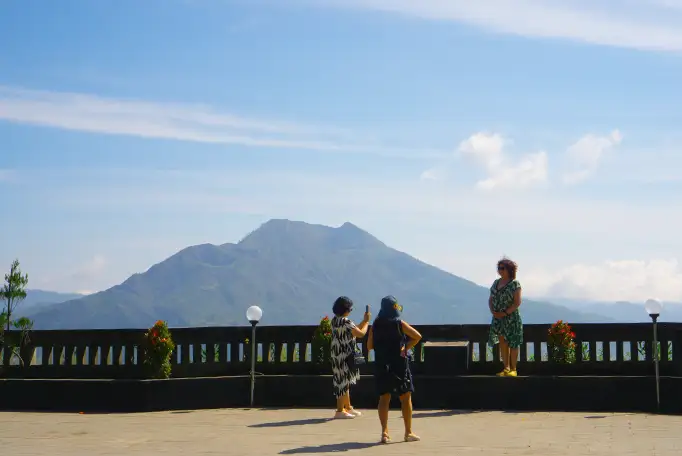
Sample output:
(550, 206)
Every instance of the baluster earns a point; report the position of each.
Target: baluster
(196, 353)
(184, 354)
(607, 351)
(210, 352)
(116, 355)
(620, 351)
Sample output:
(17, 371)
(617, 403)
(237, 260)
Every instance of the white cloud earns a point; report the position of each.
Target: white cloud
(488, 151)
(622, 280)
(85, 292)
(645, 24)
(586, 154)
(431, 174)
(90, 270)
(177, 121)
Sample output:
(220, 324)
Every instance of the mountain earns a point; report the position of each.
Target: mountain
(622, 311)
(294, 271)
(41, 298)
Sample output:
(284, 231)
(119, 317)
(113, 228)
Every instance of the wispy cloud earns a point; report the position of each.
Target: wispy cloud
(586, 154)
(486, 150)
(644, 24)
(178, 121)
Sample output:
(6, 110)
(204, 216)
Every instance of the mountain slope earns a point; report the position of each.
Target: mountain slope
(294, 271)
(623, 311)
(39, 298)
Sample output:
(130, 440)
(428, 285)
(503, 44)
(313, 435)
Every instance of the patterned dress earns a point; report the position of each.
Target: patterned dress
(343, 345)
(509, 327)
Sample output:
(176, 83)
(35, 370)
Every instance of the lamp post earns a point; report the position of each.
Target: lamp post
(653, 308)
(253, 314)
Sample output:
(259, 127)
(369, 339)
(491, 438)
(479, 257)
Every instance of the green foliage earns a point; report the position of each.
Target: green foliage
(321, 343)
(13, 291)
(158, 347)
(560, 343)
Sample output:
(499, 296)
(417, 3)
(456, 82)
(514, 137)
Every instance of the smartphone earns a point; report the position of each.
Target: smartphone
(367, 309)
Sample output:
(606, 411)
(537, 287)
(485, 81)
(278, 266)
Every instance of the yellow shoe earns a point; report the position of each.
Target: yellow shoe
(512, 373)
(504, 373)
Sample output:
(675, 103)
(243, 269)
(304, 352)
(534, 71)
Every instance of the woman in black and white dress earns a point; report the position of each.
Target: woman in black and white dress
(344, 335)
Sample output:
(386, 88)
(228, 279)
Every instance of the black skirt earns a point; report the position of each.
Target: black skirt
(393, 377)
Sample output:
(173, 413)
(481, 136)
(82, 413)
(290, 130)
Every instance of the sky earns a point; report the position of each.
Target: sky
(455, 131)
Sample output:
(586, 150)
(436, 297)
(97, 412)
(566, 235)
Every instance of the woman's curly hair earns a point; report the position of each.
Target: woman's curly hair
(510, 266)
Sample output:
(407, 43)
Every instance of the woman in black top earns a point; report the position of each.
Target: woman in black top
(392, 339)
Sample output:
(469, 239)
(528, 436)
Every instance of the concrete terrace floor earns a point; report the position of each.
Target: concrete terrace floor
(273, 431)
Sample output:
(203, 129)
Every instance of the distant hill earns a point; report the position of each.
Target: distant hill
(294, 271)
(40, 298)
(622, 311)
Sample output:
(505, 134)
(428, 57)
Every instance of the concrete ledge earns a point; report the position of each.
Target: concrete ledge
(596, 393)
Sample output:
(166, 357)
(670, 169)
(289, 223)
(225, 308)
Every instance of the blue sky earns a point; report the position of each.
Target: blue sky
(455, 131)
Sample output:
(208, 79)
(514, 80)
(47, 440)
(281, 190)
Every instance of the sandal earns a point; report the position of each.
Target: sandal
(412, 438)
(385, 438)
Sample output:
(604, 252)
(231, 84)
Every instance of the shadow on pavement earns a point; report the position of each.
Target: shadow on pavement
(330, 448)
(442, 413)
(291, 423)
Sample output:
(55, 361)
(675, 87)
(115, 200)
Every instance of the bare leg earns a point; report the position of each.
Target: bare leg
(340, 403)
(346, 404)
(384, 404)
(504, 351)
(513, 357)
(406, 406)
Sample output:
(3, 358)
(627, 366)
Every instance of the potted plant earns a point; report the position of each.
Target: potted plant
(321, 345)
(158, 347)
(561, 343)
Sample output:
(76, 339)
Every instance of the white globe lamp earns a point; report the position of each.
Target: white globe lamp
(653, 307)
(254, 314)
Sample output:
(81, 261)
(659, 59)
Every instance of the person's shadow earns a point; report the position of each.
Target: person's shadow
(330, 448)
(291, 423)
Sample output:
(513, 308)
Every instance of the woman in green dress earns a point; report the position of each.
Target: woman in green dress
(506, 327)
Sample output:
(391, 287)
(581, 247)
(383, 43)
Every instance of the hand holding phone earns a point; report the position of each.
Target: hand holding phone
(367, 314)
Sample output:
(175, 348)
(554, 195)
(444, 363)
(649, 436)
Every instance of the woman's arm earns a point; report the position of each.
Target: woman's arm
(360, 330)
(370, 340)
(517, 302)
(412, 334)
(497, 315)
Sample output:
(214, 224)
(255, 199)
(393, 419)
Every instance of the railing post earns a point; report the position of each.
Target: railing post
(677, 352)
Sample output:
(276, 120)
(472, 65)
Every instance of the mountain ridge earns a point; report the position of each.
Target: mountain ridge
(294, 271)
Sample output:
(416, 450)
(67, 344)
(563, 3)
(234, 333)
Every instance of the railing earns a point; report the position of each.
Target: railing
(602, 349)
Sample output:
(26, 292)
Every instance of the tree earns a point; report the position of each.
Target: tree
(13, 291)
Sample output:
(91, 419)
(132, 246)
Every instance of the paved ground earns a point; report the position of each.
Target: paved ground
(270, 432)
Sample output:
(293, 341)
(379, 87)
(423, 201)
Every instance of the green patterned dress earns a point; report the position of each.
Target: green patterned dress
(510, 327)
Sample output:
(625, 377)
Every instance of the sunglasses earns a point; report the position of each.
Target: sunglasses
(501, 268)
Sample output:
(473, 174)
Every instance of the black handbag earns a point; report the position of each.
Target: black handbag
(356, 358)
